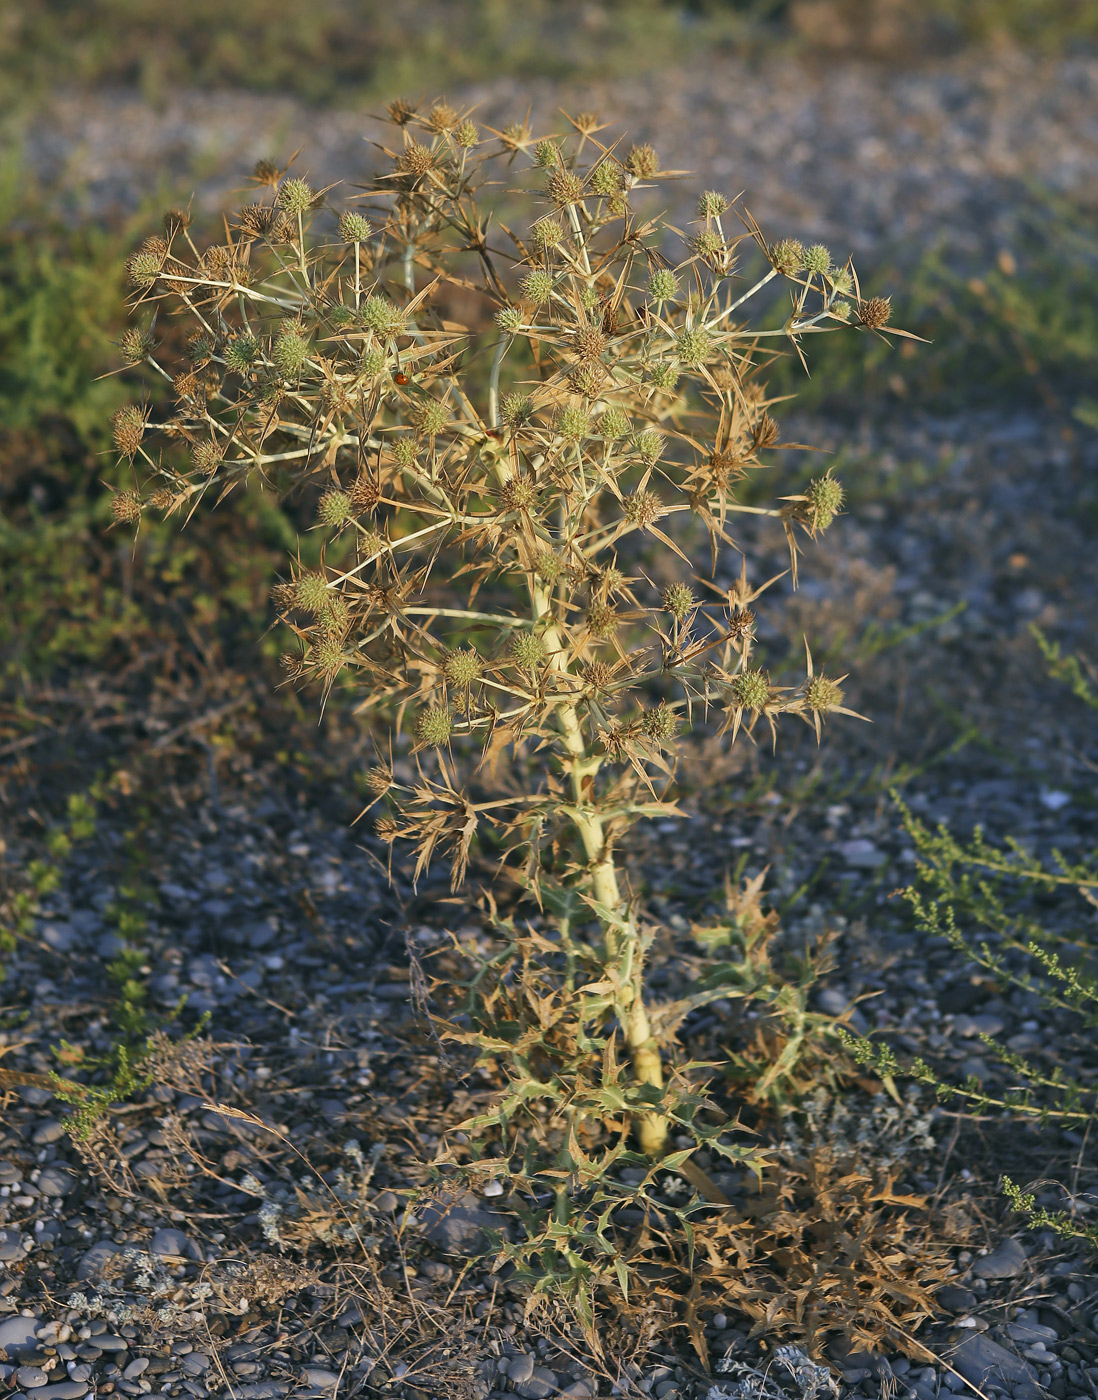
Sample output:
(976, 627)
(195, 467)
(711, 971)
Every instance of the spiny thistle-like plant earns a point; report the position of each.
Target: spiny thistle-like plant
(495, 502)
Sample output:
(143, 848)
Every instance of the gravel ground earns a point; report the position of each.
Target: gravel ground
(166, 1257)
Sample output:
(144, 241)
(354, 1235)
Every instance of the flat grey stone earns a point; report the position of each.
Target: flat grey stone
(983, 1362)
(60, 937)
(48, 1131)
(1026, 1333)
(1007, 1261)
(169, 1240)
(458, 1223)
(137, 1367)
(11, 1246)
(318, 1377)
(106, 1341)
(956, 1299)
(195, 1363)
(261, 1390)
(62, 1390)
(19, 1333)
(521, 1368)
(860, 854)
(55, 1181)
(30, 1377)
(94, 1259)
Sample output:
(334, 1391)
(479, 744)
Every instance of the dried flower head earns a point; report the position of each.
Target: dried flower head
(602, 620)
(548, 233)
(290, 351)
(126, 507)
(587, 379)
(787, 256)
(335, 508)
(614, 424)
(875, 313)
(527, 650)
(364, 494)
(135, 344)
(693, 346)
(678, 600)
(751, 689)
(354, 227)
(145, 266)
(564, 187)
(509, 318)
(128, 428)
(607, 178)
(295, 196)
(462, 668)
(434, 727)
(466, 136)
(712, 205)
(642, 162)
(821, 693)
(516, 409)
(663, 285)
(537, 286)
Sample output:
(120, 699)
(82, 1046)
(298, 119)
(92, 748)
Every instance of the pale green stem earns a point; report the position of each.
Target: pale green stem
(493, 380)
(623, 948)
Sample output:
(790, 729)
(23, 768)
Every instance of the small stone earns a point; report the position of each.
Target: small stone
(1007, 1261)
(60, 937)
(956, 1299)
(493, 1188)
(137, 1367)
(92, 1262)
(62, 1390)
(983, 1362)
(55, 1181)
(521, 1368)
(168, 1240)
(386, 1201)
(11, 1246)
(19, 1333)
(580, 1390)
(862, 855)
(720, 1322)
(30, 1377)
(106, 1341)
(1031, 1333)
(48, 1131)
(196, 1363)
(319, 1378)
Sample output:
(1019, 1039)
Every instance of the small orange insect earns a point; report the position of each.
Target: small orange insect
(399, 377)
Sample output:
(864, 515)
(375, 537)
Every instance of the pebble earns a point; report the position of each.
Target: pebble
(983, 1362)
(30, 1377)
(1006, 1261)
(19, 1333)
(862, 855)
(11, 1246)
(521, 1368)
(92, 1262)
(137, 1367)
(49, 1130)
(55, 1181)
(62, 1390)
(195, 1363)
(318, 1377)
(169, 1240)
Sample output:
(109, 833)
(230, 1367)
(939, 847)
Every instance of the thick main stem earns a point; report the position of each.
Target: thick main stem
(622, 939)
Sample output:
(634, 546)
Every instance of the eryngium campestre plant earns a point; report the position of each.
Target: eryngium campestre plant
(492, 499)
